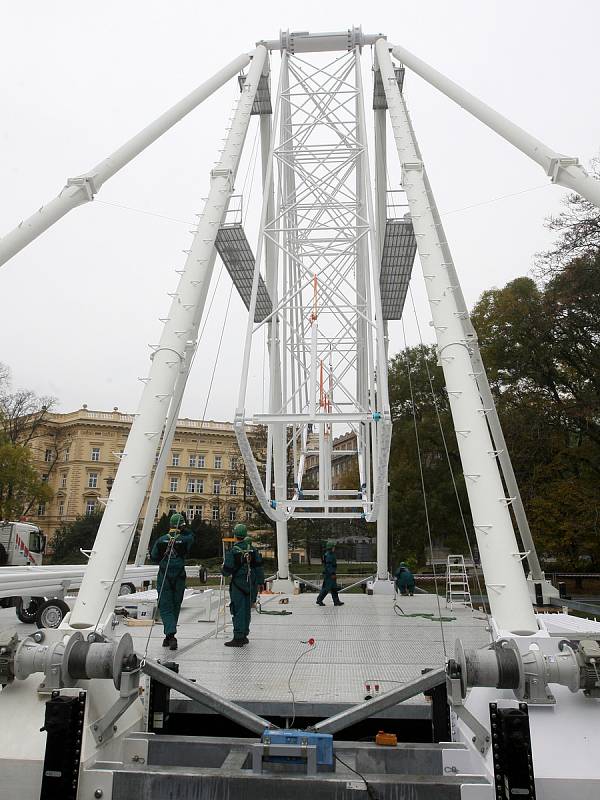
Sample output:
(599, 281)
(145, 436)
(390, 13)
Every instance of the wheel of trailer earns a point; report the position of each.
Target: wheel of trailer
(51, 613)
(27, 608)
(203, 574)
(127, 588)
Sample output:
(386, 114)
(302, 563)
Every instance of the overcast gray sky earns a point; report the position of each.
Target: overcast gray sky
(81, 304)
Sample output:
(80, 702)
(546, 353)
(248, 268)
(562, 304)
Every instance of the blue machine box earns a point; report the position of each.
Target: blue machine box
(322, 741)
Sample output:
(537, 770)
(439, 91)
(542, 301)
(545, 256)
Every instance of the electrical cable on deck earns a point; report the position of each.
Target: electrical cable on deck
(311, 646)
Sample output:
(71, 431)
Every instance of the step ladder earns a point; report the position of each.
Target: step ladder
(457, 582)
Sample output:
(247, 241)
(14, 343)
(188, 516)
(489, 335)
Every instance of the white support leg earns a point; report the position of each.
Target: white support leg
(171, 427)
(100, 585)
(278, 432)
(564, 170)
(500, 557)
(84, 187)
(161, 466)
(381, 219)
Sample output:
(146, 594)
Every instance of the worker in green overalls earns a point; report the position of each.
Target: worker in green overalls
(241, 562)
(169, 552)
(329, 576)
(259, 573)
(405, 580)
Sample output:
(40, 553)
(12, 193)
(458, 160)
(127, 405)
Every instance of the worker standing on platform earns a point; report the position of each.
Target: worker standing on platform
(329, 576)
(259, 572)
(169, 552)
(240, 564)
(405, 580)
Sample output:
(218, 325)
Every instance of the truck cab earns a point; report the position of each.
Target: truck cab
(21, 544)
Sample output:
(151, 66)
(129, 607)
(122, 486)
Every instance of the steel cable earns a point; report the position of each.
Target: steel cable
(423, 489)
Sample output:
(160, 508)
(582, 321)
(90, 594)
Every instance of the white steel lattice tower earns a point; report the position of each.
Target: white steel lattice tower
(328, 370)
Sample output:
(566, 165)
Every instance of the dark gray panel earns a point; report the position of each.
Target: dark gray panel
(236, 253)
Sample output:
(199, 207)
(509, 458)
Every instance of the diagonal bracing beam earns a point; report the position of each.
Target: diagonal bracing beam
(369, 708)
(84, 187)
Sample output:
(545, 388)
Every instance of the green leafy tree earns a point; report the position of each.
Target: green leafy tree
(73, 537)
(416, 369)
(541, 346)
(21, 486)
(207, 541)
(21, 414)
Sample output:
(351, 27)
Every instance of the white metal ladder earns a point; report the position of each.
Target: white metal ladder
(457, 582)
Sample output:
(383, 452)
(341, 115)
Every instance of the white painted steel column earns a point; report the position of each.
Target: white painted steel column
(381, 216)
(487, 398)
(84, 187)
(500, 557)
(161, 466)
(278, 432)
(564, 170)
(381, 431)
(109, 554)
(171, 425)
(363, 440)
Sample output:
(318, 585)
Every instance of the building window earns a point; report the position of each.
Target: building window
(249, 490)
(215, 513)
(216, 487)
(61, 509)
(90, 507)
(218, 462)
(48, 454)
(93, 480)
(195, 511)
(249, 513)
(63, 480)
(175, 460)
(95, 454)
(172, 508)
(41, 509)
(201, 462)
(233, 487)
(173, 484)
(45, 477)
(109, 484)
(192, 461)
(195, 486)
(66, 453)
(232, 513)
(233, 462)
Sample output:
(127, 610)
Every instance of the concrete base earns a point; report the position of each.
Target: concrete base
(285, 585)
(379, 586)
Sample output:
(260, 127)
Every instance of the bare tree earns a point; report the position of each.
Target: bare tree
(21, 412)
(578, 227)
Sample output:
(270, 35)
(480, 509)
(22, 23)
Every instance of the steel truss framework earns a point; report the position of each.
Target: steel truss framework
(327, 360)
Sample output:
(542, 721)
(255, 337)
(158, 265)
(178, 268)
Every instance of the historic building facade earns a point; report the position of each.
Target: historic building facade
(78, 454)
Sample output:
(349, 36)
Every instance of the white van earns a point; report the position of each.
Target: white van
(21, 544)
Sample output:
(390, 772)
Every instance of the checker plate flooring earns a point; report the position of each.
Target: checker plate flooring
(364, 641)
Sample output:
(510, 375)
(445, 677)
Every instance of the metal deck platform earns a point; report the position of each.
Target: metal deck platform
(363, 641)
